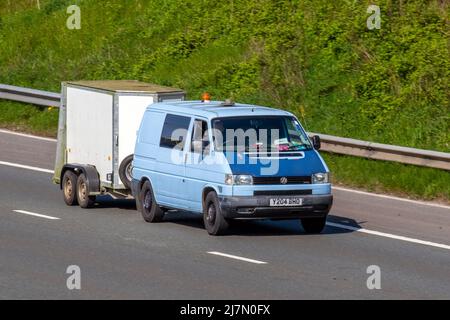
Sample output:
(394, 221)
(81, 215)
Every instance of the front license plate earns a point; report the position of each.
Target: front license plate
(285, 202)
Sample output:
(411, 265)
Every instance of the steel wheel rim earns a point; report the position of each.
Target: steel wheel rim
(82, 190)
(211, 214)
(68, 188)
(128, 171)
(147, 200)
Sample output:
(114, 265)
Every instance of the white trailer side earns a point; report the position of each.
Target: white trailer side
(98, 122)
(89, 126)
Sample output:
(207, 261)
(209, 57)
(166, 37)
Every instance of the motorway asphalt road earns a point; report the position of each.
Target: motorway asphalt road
(122, 257)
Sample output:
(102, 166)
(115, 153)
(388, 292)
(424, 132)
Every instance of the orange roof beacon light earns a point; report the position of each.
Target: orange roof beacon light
(206, 97)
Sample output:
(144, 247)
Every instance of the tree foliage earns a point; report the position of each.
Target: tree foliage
(315, 58)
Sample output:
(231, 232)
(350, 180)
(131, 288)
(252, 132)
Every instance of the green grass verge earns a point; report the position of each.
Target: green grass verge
(28, 118)
(395, 178)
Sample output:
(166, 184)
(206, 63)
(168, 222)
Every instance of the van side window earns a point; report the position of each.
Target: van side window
(200, 138)
(152, 122)
(174, 131)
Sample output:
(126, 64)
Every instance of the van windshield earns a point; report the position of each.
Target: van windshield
(259, 134)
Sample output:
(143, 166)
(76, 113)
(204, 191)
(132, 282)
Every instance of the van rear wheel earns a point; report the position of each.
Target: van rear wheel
(213, 219)
(314, 225)
(69, 188)
(151, 212)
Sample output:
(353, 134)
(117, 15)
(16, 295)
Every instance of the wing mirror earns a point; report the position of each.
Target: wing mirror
(316, 142)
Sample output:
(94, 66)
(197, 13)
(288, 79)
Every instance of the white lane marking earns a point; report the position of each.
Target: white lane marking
(22, 166)
(27, 135)
(236, 257)
(36, 214)
(424, 203)
(389, 235)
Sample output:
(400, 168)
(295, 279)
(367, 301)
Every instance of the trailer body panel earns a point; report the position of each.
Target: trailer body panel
(98, 123)
(89, 130)
(129, 122)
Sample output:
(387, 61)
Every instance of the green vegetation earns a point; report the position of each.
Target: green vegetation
(316, 58)
(28, 118)
(382, 176)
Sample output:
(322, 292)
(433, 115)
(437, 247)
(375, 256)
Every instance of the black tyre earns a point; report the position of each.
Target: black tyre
(151, 212)
(314, 225)
(213, 219)
(125, 171)
(137, 198)
(69, 188)
(84, 199)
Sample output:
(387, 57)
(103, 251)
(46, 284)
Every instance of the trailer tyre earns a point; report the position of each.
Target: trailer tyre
(84, 199)
(125, 171)
(151, 212)
(69, 188)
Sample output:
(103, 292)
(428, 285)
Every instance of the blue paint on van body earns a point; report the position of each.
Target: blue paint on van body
(180, 178)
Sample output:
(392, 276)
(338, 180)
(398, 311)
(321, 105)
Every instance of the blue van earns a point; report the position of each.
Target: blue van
(229, 161)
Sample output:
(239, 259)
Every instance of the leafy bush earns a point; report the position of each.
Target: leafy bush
(316, 58)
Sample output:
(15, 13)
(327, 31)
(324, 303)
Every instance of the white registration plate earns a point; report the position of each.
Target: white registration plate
(285, 202)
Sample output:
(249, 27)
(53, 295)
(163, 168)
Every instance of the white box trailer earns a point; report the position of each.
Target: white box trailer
(98, 121)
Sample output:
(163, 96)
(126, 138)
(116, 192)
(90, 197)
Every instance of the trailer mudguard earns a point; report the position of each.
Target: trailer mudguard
(93, 179)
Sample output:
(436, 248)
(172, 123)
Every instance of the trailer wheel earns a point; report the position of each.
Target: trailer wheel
(125, 171)
(84, 199)
(151, 212)
(69, 188)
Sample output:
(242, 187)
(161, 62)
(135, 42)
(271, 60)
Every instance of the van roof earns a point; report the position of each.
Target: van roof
(214, 109)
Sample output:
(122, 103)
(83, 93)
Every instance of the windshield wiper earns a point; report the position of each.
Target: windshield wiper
(297, 146)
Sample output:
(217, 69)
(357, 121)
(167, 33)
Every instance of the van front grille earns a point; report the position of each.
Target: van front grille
(281, 192)
(278, 180)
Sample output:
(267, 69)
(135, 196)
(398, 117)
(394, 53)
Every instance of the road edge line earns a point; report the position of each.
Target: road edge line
(385, 196)
(389, 235)
(22, 166)
(26, 135)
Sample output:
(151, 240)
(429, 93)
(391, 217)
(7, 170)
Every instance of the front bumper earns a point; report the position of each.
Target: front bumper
(257, 207)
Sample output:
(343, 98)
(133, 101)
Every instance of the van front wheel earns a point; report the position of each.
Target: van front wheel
(314, 225)
(151, 212)
(213, 219)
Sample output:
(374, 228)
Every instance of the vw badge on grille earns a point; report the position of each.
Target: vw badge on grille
(283, 180)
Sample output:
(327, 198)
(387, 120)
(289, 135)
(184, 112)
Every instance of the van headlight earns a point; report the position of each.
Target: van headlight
(239, 179)
(321, 177)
